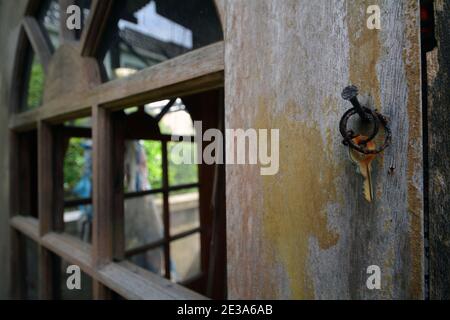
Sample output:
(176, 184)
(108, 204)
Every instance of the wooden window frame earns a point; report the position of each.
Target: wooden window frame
(194, 72)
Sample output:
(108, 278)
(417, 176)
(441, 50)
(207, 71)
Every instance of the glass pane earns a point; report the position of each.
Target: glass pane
(184, 211)
(49, 18)
(152, 260)
(143, 33)
(78, 212)
(27, 174)
(31, 277)
(177, 121)
(155, 108)
(84, 293)
(82, 123)
(35, 85)
(143, 165)
(182, 168)
(78, 169)
(78, 222)
(143, 220)
(185, 258)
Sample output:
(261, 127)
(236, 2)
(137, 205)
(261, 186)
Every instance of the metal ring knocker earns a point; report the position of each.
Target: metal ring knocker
(366, 114)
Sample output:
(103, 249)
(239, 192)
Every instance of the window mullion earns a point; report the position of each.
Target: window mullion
(38, 41)
(102, 170)
(96, 23)
(166, 214)
(46, 208)
(108, 226)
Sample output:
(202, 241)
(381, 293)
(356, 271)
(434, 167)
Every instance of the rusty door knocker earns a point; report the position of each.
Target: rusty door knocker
(350, 93)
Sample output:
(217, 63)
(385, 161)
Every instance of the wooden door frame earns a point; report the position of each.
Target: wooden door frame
(194, 72)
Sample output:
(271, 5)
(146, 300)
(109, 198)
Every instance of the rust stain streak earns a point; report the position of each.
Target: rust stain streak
(411, 58)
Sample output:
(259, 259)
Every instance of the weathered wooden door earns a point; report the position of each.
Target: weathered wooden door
(308, 232)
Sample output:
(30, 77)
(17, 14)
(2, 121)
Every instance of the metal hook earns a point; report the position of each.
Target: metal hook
(350, 93)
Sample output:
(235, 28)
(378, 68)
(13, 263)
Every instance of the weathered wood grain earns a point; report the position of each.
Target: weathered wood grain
(127, 279)
(70, 74)
(26, 225)
(103, 186)
(307, 232)
(439, 153)
(136, 283)
(47, 206)
(46, 184)
(70, 249)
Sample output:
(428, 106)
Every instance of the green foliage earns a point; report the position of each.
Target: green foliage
(36, 85)
(73, 164)
(153, 150)
(178, 174)
(182, 173)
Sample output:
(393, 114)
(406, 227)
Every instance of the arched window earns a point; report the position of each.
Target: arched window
(96, 183)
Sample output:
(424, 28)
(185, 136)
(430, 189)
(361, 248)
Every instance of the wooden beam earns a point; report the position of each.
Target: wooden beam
(95, 26)
(196, 71)
(46, 185)
(70, 249)
(60, 144)
(127, 279)
(135, 283)
(18, 85)
(46, 208)
(118, 212)
(26, 225)
(166, 213)
(38, 40)
(108, 227)
(103, 186)
(24, 121)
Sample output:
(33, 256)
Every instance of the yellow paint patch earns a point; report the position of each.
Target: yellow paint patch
(296, 199)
